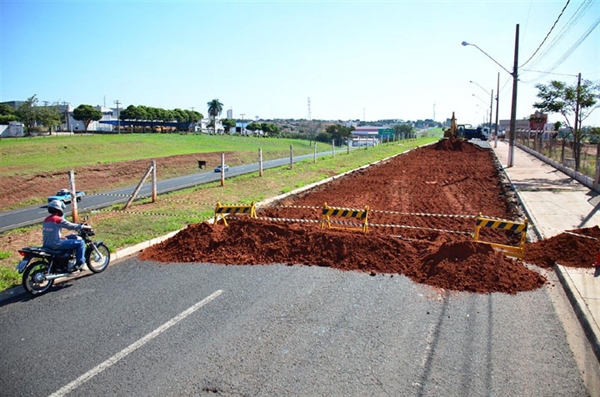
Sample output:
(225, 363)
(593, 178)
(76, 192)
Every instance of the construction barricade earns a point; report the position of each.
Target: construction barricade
(517, 227)
(222, 210)
(328, 212)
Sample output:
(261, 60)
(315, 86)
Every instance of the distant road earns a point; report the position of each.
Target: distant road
(36, 214)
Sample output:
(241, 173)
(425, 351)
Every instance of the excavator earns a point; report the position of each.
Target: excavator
(461, 131)
(452, 131)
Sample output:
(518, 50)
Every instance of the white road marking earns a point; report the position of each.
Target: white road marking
(131, 348)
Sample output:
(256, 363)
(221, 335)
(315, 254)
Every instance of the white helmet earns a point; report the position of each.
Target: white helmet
(55, 206)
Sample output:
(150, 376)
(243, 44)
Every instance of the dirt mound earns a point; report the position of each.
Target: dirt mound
(455, 145)
(574, 248)
(463, 266)
(423, 206)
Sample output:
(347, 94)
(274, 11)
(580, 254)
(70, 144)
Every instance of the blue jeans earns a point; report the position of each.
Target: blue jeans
(77, 245)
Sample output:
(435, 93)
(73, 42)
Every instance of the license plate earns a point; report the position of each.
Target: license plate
(22, 264)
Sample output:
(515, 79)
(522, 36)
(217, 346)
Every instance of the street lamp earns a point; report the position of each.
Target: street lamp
(513, 111)
(491, 104)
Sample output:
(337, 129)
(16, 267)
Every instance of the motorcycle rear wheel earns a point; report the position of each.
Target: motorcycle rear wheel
(97, 260)
(34, 278)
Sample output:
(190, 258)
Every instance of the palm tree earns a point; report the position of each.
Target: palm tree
(214, 110)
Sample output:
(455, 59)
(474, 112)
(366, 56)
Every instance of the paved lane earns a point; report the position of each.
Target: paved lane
(281, 330)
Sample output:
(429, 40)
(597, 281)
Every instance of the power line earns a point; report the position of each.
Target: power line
(546, 72)
(576, 45)
(547, 34)
(571, 23)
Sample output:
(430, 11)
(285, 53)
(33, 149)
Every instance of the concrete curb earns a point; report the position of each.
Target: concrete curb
(591, 329)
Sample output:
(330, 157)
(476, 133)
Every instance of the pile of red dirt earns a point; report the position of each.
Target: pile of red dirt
(423, 206)
(454, 265)
(574, 248)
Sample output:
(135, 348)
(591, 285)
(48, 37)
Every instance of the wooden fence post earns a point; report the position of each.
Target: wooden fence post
(154, 181)
(222, 169)
(139, 186)
(74, 212)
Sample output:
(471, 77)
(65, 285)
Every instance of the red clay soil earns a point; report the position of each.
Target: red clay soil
(451, 177)
(574, 248)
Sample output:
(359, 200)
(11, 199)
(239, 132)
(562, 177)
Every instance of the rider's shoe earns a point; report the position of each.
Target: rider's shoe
(75, 267)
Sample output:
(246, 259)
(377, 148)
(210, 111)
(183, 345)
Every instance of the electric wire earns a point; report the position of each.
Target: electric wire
(547, 34)
(576, 45)
(562, 34)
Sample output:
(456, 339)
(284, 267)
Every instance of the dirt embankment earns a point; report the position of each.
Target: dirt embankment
(411, 192)
(101, 177)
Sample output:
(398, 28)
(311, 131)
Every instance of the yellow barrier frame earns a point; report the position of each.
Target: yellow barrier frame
(223, 210)
(518, 227)
(345, 213)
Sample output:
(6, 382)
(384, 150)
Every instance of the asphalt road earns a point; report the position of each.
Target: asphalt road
(36, 214)
(147, 329)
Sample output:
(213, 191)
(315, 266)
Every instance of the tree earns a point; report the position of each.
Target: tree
(27, 113)
(578, 100)
(87, 114)
(403, 131)
(7, 114)
(338, 132)
(214, 110)
(253, 126)
(49, 116)
(228, 124)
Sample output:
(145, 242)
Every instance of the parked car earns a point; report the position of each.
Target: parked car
(225, 168)
(64, 195)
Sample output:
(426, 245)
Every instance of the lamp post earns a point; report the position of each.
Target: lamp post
(491, 104)
(513, 111)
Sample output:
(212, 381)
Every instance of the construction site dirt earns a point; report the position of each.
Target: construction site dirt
(422, 206)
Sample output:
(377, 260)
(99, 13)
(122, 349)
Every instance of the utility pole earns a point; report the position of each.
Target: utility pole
(491, 107)
(118, 118)
(576, 135)
(243, 114)
(513, 111)
(497, 110)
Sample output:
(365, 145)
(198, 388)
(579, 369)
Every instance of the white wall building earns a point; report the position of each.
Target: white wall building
(12, 129)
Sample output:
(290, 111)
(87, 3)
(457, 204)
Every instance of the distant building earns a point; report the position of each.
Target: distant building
(12, 129)
(14, 104)
(365, 136)
(229, 113)
(504, 125)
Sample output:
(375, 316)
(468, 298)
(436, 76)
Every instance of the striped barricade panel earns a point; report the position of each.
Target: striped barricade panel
(222, 210)
(503, 224)
(328, 212)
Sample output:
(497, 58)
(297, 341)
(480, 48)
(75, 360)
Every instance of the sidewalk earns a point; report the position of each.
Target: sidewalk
(554, 202)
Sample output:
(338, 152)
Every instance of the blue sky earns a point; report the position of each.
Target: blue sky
(354, 59)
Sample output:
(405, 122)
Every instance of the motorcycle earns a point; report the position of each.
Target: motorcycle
(41, 266)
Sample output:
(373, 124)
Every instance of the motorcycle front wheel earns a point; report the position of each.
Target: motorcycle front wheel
(34, 278)
(97, 259)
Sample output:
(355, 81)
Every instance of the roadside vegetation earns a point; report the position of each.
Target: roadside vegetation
(145, 220)
(31, 155)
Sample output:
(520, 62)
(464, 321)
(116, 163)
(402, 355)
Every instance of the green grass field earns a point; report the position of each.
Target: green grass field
(24, 156)
(176, 210)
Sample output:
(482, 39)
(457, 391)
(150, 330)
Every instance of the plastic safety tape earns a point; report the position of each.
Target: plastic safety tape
(352, 224)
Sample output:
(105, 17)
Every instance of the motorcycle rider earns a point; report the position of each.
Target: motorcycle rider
(52, 237)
